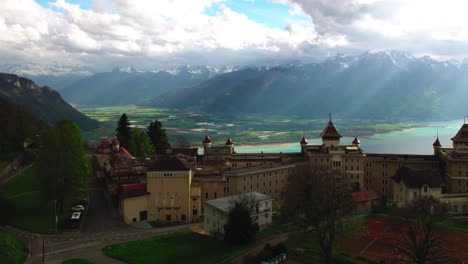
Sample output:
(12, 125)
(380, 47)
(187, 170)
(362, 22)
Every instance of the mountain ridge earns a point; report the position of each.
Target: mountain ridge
(44, 103)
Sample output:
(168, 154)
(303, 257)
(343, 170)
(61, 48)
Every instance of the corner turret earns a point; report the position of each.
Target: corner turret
(206, 143)
(356, 142)
(460, 140)
(303, 143)
(115, 145)
(230, 145)
(168, 148)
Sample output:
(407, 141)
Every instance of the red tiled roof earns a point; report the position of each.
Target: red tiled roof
(115, 141)
(462, 134)
(304, 140)
(106, 141)
(133, 190)
(207, 139)
(117, 161)
(229, 142)
(437, 143)
(363, 196)
(168, 146)
(330, 131)
(124, 153)
(356, 141)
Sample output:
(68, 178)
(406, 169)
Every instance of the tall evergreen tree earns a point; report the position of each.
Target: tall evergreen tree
(140, 145)
(123, 131)
(158, 136)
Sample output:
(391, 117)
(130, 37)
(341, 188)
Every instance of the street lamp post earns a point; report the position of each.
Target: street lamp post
(55, 212)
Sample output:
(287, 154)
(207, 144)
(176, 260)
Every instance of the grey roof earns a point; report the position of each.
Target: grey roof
(418, 178)
(224, 204)
(169, 164)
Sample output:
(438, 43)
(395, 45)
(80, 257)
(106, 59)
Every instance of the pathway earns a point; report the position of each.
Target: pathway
(101, 227)
(259, 245)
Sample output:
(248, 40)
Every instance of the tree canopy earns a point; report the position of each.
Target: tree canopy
(123, 131)
(241, 227)
(319, 198)
(140, 145)
(158, 136)
(419, 242)
(18, 124)
(63, 162)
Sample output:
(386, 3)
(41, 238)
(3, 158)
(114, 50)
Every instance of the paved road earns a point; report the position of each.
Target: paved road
(101, 216)
(101, 227)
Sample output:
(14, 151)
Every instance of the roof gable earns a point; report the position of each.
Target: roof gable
(418, 178)
(462, 134)
(169, 164)
(330, 131)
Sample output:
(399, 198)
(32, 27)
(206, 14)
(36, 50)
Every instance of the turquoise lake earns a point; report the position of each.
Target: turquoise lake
(409, 141)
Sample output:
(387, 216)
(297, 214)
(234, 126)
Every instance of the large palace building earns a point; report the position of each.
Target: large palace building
(174, 187)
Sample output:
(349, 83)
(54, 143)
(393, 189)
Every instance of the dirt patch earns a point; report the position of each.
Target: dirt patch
(374, 239)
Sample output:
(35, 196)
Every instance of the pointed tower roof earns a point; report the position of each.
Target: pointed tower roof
(437, 143)
(462, 135)
(115, 141)
(330, 131)
(229, 142)
(356, 141)
(168, 146)
(304, 140)
(207, 139)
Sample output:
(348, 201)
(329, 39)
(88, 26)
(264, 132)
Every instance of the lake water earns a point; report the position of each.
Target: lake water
(409, 141)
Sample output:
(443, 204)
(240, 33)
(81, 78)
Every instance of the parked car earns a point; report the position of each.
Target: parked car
(78, 208)
(74, 220)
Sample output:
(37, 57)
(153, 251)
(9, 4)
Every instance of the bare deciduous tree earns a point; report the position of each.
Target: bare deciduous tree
(319, 198)
(419, 242)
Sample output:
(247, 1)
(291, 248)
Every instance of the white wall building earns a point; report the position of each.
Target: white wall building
(217, 211)
(411, 184)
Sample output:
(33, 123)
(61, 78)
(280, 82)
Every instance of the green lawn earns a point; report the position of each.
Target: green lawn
(32, 212)
(77, 261)
(278, 229)
(5, 159)
(3, 164)
(183, 247)
(454, 224)
(12, 250)
(312, 253)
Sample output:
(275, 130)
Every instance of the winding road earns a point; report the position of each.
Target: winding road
(101, 227)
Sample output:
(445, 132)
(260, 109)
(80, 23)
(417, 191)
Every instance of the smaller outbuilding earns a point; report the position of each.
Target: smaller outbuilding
(409, 184)
(217, 211)
(365, 201)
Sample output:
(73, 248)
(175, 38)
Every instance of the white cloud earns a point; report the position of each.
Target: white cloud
(178, 31)
(143, 28)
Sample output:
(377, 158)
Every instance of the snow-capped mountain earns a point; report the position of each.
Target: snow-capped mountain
(377, 84)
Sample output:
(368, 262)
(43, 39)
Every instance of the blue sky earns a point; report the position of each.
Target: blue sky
(270, 14)
(273, 15)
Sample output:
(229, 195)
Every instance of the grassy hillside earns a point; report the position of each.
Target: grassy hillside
(13, 250)
(32, 212)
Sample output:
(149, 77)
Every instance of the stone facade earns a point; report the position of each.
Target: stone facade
(179, 194)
